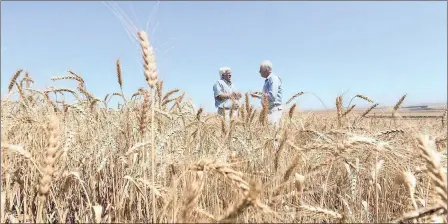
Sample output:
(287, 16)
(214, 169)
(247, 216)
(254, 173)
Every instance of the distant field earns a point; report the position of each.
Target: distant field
(432, 110)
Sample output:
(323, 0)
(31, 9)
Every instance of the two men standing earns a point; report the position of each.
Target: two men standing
(226, 93)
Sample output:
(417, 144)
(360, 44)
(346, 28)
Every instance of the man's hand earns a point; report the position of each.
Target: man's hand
(236, 95)
(225, 96)
(255, 94)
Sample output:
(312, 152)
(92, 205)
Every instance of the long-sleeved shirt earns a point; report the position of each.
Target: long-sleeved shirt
(220, 87)
(273, 88)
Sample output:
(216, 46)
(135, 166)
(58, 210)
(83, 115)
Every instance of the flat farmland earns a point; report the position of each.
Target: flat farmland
(435, 110)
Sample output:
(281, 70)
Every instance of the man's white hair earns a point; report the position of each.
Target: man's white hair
(223, 70)
(266, 65)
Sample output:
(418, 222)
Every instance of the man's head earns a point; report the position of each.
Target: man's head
(225, 73)
(265, 69)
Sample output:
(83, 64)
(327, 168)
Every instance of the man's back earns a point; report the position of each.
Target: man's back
(273, 86)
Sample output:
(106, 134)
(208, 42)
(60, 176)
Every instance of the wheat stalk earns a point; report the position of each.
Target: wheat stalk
(168, 94)
(150, 73)
(291, 111)
(339, 109)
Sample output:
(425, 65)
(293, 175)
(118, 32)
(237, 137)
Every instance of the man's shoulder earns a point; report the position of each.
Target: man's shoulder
(218, 82)
(274, 77)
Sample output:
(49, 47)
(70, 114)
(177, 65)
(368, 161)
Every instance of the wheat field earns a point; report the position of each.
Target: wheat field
(157, 159)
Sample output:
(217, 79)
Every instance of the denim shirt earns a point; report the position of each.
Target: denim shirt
(273, 87)
(220, 87)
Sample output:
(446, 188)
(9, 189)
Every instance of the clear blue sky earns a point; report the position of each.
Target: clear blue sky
(380, 49)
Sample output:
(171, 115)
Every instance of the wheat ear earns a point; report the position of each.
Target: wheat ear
(13, 80)
(397, 105)
(50, 161)
(291, 111)
(198, 114)
(168, 94)
(435, 170)
(368, 110)
(366, 98)
(149, 63)
(250, 198)
(143, 115)
(348, 110)
(294, 96)
(120, 80)
(192, 196)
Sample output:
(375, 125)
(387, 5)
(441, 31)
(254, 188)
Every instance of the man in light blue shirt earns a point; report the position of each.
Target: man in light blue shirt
(226, 94)
(272, 89)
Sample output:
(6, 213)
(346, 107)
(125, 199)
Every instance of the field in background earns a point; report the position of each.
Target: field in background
(433, 110)
(158, 159)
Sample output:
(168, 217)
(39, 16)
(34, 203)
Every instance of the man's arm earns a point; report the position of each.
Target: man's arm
(273, 88)
(218, 92)
(235, 93)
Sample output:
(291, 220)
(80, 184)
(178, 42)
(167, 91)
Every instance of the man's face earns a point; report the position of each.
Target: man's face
(262, 72)
(227, 76)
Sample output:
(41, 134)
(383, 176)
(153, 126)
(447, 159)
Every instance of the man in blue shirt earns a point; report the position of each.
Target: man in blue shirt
(226, 94)
(272, 89)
